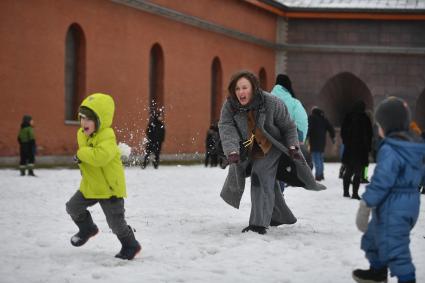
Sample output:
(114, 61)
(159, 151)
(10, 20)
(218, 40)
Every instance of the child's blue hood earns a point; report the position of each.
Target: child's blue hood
(412, 152)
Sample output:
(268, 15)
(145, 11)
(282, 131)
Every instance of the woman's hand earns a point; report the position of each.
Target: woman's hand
(233, 158)
(294, 153)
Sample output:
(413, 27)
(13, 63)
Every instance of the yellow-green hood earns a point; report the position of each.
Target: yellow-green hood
(103, 106)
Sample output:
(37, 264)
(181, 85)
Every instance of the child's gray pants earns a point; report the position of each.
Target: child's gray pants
(113, 209)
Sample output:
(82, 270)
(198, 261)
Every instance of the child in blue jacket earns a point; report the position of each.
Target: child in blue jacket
(392, 196)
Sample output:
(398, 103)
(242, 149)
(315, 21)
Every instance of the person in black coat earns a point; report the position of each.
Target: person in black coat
(155, 134)
(356, 134)
(211, 146)
(318, 125)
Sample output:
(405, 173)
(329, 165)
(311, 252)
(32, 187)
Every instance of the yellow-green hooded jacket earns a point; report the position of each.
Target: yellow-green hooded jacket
(101, 166)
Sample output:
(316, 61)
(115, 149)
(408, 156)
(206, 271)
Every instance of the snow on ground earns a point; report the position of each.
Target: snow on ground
(187, 232)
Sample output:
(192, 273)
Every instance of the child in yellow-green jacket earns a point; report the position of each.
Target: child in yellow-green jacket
(103, 179)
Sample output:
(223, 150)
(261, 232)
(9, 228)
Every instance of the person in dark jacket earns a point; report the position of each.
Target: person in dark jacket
(318, 125)
(356, 134)
(211, 146)
(155, 134)
(392, 197)
(27, 146)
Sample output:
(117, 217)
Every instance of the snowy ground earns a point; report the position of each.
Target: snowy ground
(187, 232)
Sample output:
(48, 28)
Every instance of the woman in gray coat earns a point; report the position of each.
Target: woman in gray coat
(255, 130)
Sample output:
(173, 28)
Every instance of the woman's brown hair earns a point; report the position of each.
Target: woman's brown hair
(247, 75)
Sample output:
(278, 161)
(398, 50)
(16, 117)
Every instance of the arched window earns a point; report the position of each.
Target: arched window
(339, 94)
(216, 90)
(75, 71)
(156, 79)
(262, 76)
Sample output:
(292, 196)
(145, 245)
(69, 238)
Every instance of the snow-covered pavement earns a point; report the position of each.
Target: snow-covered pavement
(187, 232)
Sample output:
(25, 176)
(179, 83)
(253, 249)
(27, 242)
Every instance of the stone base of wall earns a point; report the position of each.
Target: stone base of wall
(66, 161)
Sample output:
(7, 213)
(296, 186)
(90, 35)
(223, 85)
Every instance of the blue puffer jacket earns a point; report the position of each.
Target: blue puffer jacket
(295, 109)
(394, 198)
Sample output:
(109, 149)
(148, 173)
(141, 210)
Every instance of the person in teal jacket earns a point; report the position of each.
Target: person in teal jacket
(103, 179)
(392, 197)
(283, 90)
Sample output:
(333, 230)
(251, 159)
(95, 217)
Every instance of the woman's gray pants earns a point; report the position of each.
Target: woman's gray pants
(266, 198)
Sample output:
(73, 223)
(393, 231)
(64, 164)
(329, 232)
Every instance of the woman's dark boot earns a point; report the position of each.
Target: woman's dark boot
(130, 246)
(259, 229)
(87, 230)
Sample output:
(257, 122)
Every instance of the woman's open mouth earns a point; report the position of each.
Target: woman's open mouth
(242, 99)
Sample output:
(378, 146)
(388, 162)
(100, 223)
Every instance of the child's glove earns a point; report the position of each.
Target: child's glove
(76, 160)
(362, 218)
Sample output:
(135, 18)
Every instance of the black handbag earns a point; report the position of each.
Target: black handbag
(287, 172)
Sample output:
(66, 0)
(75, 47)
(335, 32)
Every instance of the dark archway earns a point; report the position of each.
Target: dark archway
(419, 114)
(216, 90)
(262, 76)
(156, 79)
(340, 93)
(75, 71)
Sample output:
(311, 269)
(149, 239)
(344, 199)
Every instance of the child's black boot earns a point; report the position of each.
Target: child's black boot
(371, 275)
(22, 170)
(130, 246)
(87, 230)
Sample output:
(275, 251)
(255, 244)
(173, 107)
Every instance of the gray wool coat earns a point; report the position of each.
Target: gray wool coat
(275, 122)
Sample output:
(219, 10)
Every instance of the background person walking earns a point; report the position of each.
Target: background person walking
(356, 135)
(155, 135)
(318, 125)
(283, 90)
(27, 146)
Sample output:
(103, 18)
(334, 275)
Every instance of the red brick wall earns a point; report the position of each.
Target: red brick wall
(118, 43)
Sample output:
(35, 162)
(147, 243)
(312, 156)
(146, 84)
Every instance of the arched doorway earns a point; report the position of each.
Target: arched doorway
(216, 90)
(419, 114)
(340, 93)
(262, 76)
(75, 71)
(156, 79)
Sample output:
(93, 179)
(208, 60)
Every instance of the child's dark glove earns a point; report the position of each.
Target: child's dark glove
(76, 160)
(362, 218)
(233, 158)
